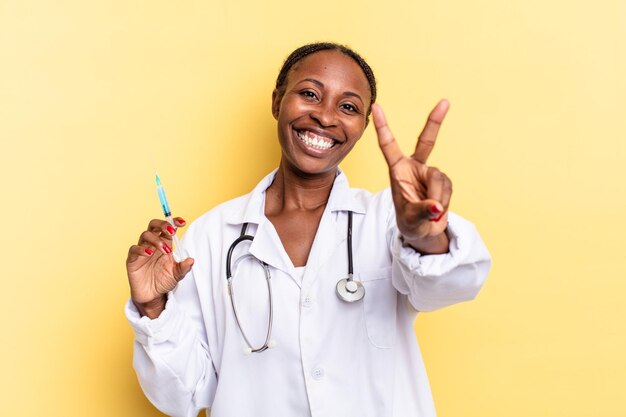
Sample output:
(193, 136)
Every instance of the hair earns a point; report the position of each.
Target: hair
(303, 51)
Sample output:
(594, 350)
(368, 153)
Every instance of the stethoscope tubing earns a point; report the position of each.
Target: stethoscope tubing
(268, 278)
(349, 234)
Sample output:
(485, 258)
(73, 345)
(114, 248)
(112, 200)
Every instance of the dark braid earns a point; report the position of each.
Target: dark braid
(301, 52)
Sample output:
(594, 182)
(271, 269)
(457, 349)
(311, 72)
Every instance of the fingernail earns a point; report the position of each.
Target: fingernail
(167, 249)
(149, 251)
(171, 230)
(434, 209)
(181, 221)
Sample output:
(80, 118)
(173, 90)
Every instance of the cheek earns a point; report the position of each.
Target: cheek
(356, 129)
(288, 111)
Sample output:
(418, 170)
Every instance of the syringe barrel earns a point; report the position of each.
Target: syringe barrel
(163, 200)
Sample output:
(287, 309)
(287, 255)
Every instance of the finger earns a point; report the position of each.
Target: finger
(423, 210)
(179, 221)
(163, 243)
(447, 193)
(136, 251)
(386, 141)
(426, 140)
(182, 268)
(418, 211)
(435, 181)
(432, 210)
(161, 226)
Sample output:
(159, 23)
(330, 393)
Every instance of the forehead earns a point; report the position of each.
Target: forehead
(334, 69)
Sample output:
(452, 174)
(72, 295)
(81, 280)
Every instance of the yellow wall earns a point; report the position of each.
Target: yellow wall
(92, 92)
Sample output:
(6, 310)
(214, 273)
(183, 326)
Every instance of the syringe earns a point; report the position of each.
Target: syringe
(168, 216)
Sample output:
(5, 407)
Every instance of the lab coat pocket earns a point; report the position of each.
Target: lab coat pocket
(380, 307)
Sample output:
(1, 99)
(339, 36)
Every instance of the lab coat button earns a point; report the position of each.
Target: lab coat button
(317, 373)
(307, 302)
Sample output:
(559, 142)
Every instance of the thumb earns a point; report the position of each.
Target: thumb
(424, 210)
(182, 268)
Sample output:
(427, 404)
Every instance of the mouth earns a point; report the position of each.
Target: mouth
(315, 140)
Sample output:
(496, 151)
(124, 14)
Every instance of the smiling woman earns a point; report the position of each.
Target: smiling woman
(321, 111)
(338, 340)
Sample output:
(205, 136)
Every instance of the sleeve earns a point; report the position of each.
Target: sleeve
(171, 355)
(435, 281)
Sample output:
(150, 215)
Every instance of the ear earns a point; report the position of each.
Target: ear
(277, 97)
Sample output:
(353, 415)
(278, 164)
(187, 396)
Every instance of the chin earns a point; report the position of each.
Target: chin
(306, 167)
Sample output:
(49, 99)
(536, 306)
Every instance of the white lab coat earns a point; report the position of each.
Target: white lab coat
(332, 359)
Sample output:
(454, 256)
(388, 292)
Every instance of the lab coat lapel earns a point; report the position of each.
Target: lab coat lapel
(268, 248)
(327, 246)
(331, 238)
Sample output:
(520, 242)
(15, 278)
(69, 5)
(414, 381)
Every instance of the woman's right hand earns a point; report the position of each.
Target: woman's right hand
(152, 270)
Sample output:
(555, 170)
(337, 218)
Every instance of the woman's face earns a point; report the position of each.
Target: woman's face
(322, 112)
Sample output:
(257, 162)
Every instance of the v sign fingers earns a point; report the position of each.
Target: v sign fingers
(428, 137)
(420, 194)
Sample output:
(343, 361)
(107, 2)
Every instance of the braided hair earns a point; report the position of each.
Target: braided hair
(303, 51)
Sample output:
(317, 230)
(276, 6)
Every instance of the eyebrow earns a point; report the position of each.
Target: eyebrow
(321, 85)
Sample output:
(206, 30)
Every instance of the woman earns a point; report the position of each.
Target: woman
(332, 357)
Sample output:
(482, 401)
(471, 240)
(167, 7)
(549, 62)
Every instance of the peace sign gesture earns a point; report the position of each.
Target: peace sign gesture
(421, 194)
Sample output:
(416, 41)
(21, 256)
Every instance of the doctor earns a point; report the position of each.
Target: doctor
(330, 358)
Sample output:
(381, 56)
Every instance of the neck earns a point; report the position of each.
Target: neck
(292, 190)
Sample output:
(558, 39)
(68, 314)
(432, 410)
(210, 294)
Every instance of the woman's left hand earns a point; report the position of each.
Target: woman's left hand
(421, 194)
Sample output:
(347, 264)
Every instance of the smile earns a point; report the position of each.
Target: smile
(315, 141)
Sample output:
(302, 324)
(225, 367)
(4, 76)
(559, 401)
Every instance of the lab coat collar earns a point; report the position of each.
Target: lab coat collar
(253, 211)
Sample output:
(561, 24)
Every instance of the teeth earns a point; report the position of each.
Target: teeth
(315, 141)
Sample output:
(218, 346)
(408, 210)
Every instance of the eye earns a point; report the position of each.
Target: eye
(308, 94)
(350, 108)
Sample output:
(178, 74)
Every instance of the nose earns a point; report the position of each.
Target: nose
(324, 114)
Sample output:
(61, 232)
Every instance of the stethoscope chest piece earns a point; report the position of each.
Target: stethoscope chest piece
(350, 290)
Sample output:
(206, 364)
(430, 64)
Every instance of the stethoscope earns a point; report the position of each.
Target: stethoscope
(347, 289)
